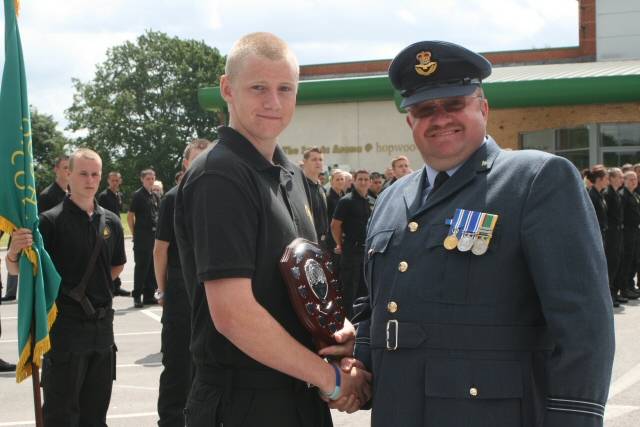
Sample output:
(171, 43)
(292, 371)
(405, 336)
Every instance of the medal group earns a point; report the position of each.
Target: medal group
(470, 230)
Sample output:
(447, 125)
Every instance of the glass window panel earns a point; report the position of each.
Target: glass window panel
(619, 158)
(568, 139)
(619, 135)
(579, 158)
(540, 140)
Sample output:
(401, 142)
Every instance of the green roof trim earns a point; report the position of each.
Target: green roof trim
(528, 93)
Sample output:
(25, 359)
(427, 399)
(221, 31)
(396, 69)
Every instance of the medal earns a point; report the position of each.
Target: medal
(480, 246)
(469, 232)
(483, 237)
(451, 241)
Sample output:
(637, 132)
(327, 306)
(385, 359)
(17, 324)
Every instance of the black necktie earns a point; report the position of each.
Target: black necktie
(440, 179)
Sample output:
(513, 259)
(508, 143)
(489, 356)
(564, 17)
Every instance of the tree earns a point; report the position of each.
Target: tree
(48, 144)
(141, 108)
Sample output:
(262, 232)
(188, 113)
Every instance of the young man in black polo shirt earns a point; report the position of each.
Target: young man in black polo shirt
(312, 167)
(78, 372)
(238, 207)
(54, 193)
(143, 220)
(349, 228)
(175, 379)
(111, 198)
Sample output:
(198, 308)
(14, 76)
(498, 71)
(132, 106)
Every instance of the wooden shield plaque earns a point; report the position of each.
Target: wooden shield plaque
(314, 289)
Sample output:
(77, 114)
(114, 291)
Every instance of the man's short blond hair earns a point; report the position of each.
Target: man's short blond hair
(84, 153)
(266, 45)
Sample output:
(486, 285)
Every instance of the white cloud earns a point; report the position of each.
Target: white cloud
(406, 16)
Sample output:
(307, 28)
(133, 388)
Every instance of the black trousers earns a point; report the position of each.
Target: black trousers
(176, 377)
(144, 281)
(212, 405)
(77, 387)
(629, 258)
(352, 277)
(613, 246)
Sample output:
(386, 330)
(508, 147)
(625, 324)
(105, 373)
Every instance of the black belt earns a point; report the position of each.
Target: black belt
(399, 335)
(246, 378)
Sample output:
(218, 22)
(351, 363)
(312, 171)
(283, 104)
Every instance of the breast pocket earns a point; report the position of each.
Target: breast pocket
(446, 272)
(376, 246)
(473, 393)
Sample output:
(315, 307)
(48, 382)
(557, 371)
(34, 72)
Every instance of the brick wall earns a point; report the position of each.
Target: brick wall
(506, 124)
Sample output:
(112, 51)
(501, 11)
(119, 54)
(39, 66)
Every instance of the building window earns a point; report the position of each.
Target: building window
(612, 144)
(572, 144)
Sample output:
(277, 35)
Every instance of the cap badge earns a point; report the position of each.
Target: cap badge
(426, 67)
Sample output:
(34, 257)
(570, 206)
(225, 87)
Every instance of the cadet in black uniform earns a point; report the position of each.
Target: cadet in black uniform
(143, 220)
(312, 167)
(54, 193)
(488, 300)
(175, 379)
(111, 199)
(349, 228)
(253, 357)
(78, 372)
(600, 180)
(613, 237)
(630, 236)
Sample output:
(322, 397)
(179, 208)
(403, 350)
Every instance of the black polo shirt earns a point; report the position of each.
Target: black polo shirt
(145, 205)
(69, 236)
(318, 204)
(354, 211)
(235, 214)
(50, 196)
(165, 226)
(332, 201)
(111, 201)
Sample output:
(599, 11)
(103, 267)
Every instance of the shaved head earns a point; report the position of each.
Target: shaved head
(265, 45)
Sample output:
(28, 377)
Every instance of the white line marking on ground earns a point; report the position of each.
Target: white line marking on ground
(124, 334)
(136, 387)
(615, 411)
(625, 381)
(137, 365)
(109, 417)
(151, 314)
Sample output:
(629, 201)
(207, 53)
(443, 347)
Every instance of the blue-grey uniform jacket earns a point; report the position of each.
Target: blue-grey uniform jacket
(520, 336)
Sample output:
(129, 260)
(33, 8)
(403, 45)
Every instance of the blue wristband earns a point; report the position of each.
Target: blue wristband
(335, 394)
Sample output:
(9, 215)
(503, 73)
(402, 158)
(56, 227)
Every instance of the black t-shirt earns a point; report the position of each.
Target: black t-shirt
(111, 201)
(69, 236)
(145, 205)
(354, 211)
(235, 214)
(165, 226)
(50, 196)
(318, 203)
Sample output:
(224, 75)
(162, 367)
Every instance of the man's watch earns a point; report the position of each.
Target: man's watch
(158, 295)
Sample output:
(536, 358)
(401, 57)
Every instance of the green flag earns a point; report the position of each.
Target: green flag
(39, 282)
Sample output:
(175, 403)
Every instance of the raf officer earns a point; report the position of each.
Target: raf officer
(488, 302)
(253, 357)
(86, 244)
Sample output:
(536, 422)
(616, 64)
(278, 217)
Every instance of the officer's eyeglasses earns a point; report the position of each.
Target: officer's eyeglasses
(450, 105)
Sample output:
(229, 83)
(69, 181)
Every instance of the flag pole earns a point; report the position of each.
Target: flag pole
(35, 377)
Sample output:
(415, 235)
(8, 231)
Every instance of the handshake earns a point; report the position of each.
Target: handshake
(354, 381)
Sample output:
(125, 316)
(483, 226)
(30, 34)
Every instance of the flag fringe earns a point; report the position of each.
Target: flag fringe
(6, 225)
(23, 368)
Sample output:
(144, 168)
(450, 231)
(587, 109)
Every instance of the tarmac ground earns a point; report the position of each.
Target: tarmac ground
(135, 392)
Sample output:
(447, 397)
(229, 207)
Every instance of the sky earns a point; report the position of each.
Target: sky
(65, 39)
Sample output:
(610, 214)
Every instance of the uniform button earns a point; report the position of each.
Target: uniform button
(473, 392)
(392, 307)
(413, 226)
(403, 266)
